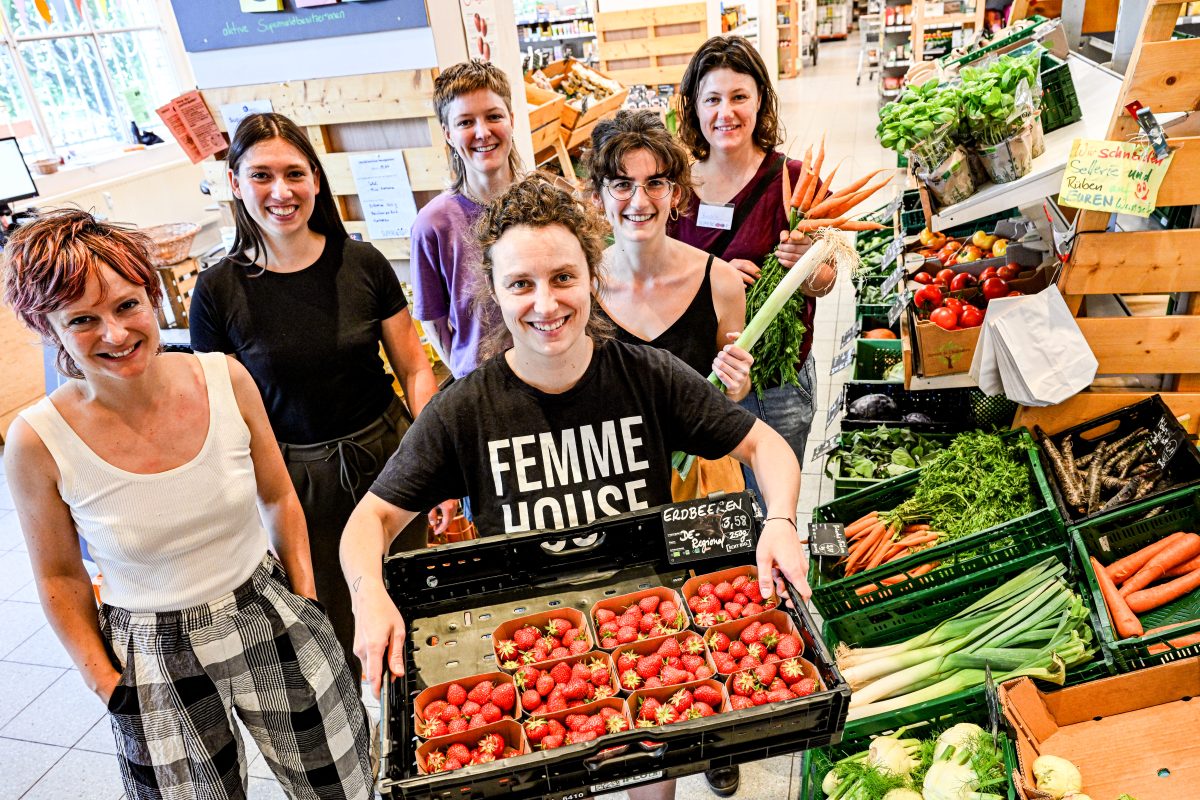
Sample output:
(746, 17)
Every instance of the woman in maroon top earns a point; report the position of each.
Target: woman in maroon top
(729, 119)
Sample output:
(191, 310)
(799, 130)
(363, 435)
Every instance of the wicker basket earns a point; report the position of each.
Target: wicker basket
(171, 243)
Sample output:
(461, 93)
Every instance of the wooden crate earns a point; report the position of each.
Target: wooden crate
(650, 45)
(576, 123)
(1162, 74)
(545, 115)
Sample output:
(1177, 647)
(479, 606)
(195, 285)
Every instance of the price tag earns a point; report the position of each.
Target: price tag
(843, 360)
(992, 697)
(893, 206)
(893, 280)
(851, 333)
(827, 446)
(709, 528)
(892, 253)
(835, 408)
(897, 308)
(827, 539)
(1165, 440)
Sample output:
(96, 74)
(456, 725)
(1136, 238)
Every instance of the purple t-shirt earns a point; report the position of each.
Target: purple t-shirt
(756, 237)
(444, 264)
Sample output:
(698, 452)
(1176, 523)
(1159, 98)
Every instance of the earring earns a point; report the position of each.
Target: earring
(674, 215)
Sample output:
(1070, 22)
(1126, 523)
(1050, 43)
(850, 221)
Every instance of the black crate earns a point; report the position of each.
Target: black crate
(1171, 446)
(953, 410)
(456, 594)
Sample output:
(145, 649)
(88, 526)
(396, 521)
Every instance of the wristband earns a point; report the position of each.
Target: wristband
(785, 519)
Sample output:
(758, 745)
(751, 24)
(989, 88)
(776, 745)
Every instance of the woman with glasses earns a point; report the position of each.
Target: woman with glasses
(660, 291)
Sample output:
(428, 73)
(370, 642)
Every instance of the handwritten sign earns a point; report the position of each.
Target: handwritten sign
(893, 280)
(892, 253)
(843, 360)
(193, 126)
(897, 308)
(1115, 177)
(828, 446)
(827, 539)
(385, 193)
(707, 528)
(232, 114)
(835, 408)
(1165, 440)
(851, 333)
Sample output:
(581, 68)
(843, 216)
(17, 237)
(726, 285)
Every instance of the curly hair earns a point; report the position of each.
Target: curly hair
(536, 202)
(616, 137)
(48, 263)
(465, 78)
(737, 54)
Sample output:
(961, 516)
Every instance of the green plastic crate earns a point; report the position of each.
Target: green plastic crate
(835, 596)
(912, 218)
(872, 357)
(1060, 103)
(1024, 33)
(1118, 534)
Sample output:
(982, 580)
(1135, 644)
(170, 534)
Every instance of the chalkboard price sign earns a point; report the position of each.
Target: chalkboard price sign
(851, 333)
(827, 539)
(1166, 440)
(709, 528)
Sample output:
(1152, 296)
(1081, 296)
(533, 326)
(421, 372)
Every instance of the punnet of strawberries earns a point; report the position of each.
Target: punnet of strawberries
(564, 685)
(530, 645)
(725, 601)
(646, 618)
(549, 733)
(490, 747)
(682, 706)
(756, 644)
(678, 659)
(460, 710)
(770, 683)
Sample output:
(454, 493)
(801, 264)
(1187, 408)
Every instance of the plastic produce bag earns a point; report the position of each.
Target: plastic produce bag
(1031, 350)
(1011, 159)
(950, 181)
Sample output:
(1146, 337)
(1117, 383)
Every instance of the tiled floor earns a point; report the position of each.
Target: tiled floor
(55, 740)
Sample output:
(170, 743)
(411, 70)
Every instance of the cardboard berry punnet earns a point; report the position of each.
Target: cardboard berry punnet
(529, 640)
(565, 683)
(436, 755)
(633, 617)
(665, 661)
(746, 643)
(487, 698)
(735, 592)
(775, 682)
(583, 724)
(668, 705)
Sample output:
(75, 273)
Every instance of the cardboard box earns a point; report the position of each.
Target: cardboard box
(945, 352)
(510, 730)
(578, 119)
(539, 620)
(438, 692)
(1128, 734)
(619, 604)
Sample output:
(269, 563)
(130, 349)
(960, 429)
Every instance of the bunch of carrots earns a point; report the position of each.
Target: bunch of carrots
(813, 206)
(874, 542)
(1147, 579)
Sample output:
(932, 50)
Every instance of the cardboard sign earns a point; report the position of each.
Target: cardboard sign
(385, 193)
(843, 360)
(709, 528)
(827, 539)
(1114, 177)
(192, 124)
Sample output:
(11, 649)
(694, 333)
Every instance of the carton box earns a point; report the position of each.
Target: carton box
(945, 352)
(619, 604)
(438, 692)
(1128, 734)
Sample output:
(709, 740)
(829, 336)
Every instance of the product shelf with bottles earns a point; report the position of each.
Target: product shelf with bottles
(833, 19)
(787, 15)
(558, 27)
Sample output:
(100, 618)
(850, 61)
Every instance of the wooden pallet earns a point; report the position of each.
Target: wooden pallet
(1163, 74)
(650, 45)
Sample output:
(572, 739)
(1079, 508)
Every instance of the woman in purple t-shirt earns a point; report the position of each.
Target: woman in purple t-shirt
(474, 104)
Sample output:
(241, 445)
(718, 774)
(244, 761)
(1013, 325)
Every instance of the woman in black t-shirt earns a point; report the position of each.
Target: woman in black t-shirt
(304, 307)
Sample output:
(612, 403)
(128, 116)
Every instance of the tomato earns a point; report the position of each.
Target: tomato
(951, 260)
(944, 318)
(944, 276)
(1009, 271)
(994, 287)
(963, 280)
(952, 245)
(988, 272)
(954, 304)
(928, 298)
(923, 277)
(970, 253)
(1014, 293)
(971, 317)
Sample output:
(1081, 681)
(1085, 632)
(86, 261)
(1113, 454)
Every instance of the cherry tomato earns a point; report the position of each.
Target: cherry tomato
(944, 318)
(928, 298)
(994, 287)
(963, 280)
(944, 276)
(923, 277)
(1009, 271)
(988, 272)
(971, 317)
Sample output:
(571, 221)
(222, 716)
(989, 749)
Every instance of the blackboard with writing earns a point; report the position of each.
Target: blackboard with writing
(221, 24)
(709, 528)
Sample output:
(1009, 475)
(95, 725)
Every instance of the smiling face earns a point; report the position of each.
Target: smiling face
(641, 217)
(278, 187)
(479, 128)
(111, 330)
(541, 282)
(727, 108)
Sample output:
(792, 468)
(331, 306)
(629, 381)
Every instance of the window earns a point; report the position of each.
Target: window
(71, 85)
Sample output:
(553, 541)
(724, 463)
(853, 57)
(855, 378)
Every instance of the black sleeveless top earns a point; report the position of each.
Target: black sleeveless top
(693, 337)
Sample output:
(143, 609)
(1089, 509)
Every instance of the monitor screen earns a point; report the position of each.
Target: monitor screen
(15, 181)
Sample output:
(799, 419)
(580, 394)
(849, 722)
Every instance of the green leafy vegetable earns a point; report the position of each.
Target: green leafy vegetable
(880, 453)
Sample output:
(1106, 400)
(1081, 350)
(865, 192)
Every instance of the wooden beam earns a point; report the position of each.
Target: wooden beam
(1133, 345)
(646, 17)
(1146, 262)
(648, 75)
(426, 170)
(1181, 184)
(393, 249)
(1167, 76)
(655, 46)
(1094, 403)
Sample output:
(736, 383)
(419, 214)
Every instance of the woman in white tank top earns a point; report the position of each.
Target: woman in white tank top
(162, 464)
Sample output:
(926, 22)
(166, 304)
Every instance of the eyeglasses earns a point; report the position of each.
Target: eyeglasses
(623, 189)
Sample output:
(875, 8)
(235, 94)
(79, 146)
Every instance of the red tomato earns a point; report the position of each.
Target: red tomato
(944, 318)
(928, 298)
(963, 280)
(954, 304)
(952, 260)
(1014, 293)
(923, 277)
(944, 276)
(995, 287)
(988, 272)
(971, 317)
(1009, 271)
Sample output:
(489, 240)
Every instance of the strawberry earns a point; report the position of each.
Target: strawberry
(461, 724)
(734, 610)
(469, 708)
(751, 609)
(600, 673)
(526, 637)
(670, 648)
(576, 689)
(578, 647)
(791, 671)
(605, 615)
(759, 698)
(491, 713)
(776, 685)
(738, 702)
(456, 695)
(738, 650)
(704, 671)
(804, 687)
(556, 702)
(545, 683)
(530, 700)
(492, 743)
(630, 680)
(504, 697)
(648, 623)
(757, 649)
(594, 725)
(709, 603)
(779, 696)
(739, 582)
(434, 709)
(616, 724)
(694, 601)
(558, 626)
(707, 694)
(766, 673)
(699, 710)
(749, 662)
(561, 672)
(724, 591)
(745, 684)
(553, 741)
(649, 666)
(627, 634)
(435, 761)
(749, 634)
(788, 646)
(718, 641)
(536, 729)
(725, 662)
(649, 708)
(648, 604)
(654, 683)
(581, 671)
(574, 721)
(435, 727)
(526, 677)
(668, 610)
(481, 692)
(601, 692)
(665, 715)
(458, 752)
(706, 589)
(630, 619)
(770, 602)
(449, 713)
(706, 619)
(682, 700)
(690, 662)
(477, 721)
(626, 660)
(671, 676)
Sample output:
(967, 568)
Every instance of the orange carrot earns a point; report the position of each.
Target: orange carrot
(881, 551)
(1121, 569)
(893, 580)
(813, 224)
(1179, 570)
(786, 183)
(846, 191)
(916, 526)
(1177, 642)
(801, 185)
(841, 205)
(811, 189)
(827, 184)
(920, 537)
(1183, 549)
(1122, 616)
(860, 225)
(861, 525)
(1147, 599)
(865, 545)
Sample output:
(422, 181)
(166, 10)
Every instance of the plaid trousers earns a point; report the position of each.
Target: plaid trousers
(261, 651)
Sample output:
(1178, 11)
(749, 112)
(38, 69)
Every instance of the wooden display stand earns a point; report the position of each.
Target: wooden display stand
(576, 123)
(650, 45)
(21, 364)
(922, 23)
(1162, 74)
(545, 125)
(789, 54)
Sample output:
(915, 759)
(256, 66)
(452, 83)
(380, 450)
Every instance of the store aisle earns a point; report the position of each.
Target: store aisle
(55, 740)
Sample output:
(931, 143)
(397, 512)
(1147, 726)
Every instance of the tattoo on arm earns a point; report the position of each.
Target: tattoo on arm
(357, 582)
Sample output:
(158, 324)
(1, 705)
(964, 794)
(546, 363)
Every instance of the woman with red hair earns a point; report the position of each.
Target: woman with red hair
(161, 463)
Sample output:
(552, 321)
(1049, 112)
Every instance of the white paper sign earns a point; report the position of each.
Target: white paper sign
(714, 216)
(234, 113)
(385, 193)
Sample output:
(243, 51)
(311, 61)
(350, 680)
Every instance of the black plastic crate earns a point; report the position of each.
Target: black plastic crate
(953, 410)
(1169, 443)
(452, 598)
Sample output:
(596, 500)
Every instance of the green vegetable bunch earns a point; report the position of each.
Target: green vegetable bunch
(880, 453)
(778, 351)
(918, 117)
(999, 98)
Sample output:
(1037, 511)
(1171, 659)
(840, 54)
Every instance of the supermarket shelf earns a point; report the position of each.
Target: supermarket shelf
(553, 20)
(562, 38)
(1097, 89)
(963, 380)
(897, 29)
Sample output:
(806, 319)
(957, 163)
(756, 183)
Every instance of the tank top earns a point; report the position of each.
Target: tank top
(693, 337)
(173, 539)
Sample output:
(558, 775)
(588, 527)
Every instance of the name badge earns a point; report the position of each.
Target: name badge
(715, 216)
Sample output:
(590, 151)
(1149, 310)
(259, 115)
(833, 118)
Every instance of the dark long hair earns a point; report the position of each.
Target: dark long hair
(248, 244)
(737, 54)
